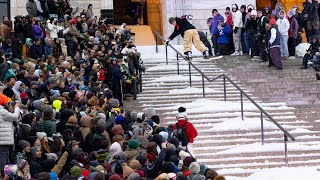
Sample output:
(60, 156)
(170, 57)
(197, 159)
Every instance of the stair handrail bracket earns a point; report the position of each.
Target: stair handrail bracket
(242, 93)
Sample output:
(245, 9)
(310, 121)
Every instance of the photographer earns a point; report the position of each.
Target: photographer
(7, 129)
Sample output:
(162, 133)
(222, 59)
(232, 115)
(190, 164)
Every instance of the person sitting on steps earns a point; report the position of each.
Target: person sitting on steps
(190, 36)
(311, 52)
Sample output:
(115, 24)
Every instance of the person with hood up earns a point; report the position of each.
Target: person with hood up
(46, 124)
(48, 50)
(237, 29)
(190, 36)
(17, 89)
(222, 34)
(194, 169)
(52, 28)
(274, 44)
(6, 131)
(293, 33)
(213, 26)
(26, 48)
(283, 27)
(191, 131)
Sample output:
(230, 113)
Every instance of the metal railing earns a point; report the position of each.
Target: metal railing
(242, 93)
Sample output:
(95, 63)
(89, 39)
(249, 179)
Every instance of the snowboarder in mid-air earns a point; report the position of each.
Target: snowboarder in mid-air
(190, 36)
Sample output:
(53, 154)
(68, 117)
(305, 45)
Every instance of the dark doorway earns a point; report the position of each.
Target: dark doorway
(131, 12)
(4, 8)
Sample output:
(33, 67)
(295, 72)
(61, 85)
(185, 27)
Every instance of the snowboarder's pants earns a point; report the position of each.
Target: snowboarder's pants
(191, 36)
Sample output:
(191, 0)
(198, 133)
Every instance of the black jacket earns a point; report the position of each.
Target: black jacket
(262, 25)
(35, 167)
(154, 169)
(182, 26)
(36, 51)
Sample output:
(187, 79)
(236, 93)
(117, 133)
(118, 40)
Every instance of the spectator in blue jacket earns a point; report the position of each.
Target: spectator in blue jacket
(48, 50)
(223, 32)
(36, 50)
(214, 25)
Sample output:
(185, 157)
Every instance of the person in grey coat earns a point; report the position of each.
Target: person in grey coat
(31, 8)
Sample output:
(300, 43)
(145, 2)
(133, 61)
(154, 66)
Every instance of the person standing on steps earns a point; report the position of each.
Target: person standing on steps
(214, 24)
(237, 25)
(274, 38)
(190, 36)
(261, 35)
(185, 131)
(283, 26)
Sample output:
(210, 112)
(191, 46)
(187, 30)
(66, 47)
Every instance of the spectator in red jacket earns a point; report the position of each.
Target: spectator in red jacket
(190, 129)
(228, 14)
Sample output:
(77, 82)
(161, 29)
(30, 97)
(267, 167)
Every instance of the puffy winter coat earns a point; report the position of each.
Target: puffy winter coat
(37, 32)
(6, 125)
(191, 131)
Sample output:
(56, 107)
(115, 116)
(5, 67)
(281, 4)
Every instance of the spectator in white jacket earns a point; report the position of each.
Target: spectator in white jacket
(237, 26)
(52, 28)
(7, 129)
(283, 27)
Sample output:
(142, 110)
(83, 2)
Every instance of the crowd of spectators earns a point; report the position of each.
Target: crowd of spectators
(63, 78)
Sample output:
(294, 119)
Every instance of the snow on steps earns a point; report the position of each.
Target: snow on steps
(225, 142)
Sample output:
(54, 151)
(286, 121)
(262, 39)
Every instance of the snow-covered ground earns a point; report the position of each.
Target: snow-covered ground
(227, 143)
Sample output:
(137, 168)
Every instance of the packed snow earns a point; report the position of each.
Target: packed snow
(169, 67)
(176, 78)
(191, 90)
(283, 173)
(301, 49)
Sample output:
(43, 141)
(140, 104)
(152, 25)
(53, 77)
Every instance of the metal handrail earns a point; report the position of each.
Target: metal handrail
(242, 93)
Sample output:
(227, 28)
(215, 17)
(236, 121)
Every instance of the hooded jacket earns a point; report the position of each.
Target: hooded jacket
(215, 22)
(16, 91)
(6, 125)
(283, 25)
(223, 34)
(191, 130)
(237, 18)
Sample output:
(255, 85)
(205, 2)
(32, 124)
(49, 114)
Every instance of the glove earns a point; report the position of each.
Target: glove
(167, 41)
(235, 30)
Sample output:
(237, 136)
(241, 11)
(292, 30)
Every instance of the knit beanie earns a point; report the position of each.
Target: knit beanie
(174, 159)
(211, 174)
(85, 173)
(10, 169)
(126, 170)
(183, 154)
(72, 120)
(23, 144)
(3, 99)
(203, 169)
(53, 176)
(34, 149)
(188, 160)
(41, 135)
(101, 126)
(117, 129)
(142, 159)
(194, 168)
(155, 119)
(164, 135)
(174, 140)
(134, 164)
(75, 171)
(85, 121)
(140, 172)
(21, 163)
(133, 144)
(115, 177)
(167, 167)
(120, 119)
(163, 176)
(134, 176)
(57, 105)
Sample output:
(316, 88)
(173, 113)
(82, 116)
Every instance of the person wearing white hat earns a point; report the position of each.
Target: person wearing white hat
(237, 25)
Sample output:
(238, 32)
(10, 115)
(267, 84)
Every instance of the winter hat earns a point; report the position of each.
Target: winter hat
(91, 176)
(120, 119)
(34, 149)
(188, 160)
(194, 167)
(164, 135)
(72, 120)
(10, 169)
(41, 135)
(150, 122)
(155, 119)
(172, 176)
(211, 174)
(141, 117)
(253, 13)
(167, 167)
(273, 22)
(85, 173)
(221, 19)
(21, 163)
(23, 95)
(53, 176)
(85, 121)
(134, 176)
(174, 140)
(134, 164)
(115, 177)
(3, 99)
(54, 93)
(140, 172)
(219, 178)
(182, 113)
(163, 176)
(117, 129)
(142, 159)
(126, 170)
(171, 19)
(174, 159)
(23, 144)
(183, 154)
(101, 126)
(203, 169)
(74, 21)
(75, 171)
(133, 144)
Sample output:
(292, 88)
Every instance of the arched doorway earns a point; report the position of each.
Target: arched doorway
(131, 12)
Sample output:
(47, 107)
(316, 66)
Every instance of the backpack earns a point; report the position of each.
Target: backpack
(101, 156)
(181, 133)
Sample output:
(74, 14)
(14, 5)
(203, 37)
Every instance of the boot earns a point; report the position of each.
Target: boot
(188, 55)
(318, 76)
(206, 55)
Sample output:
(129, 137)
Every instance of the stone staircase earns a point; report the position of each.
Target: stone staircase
(225, 142)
